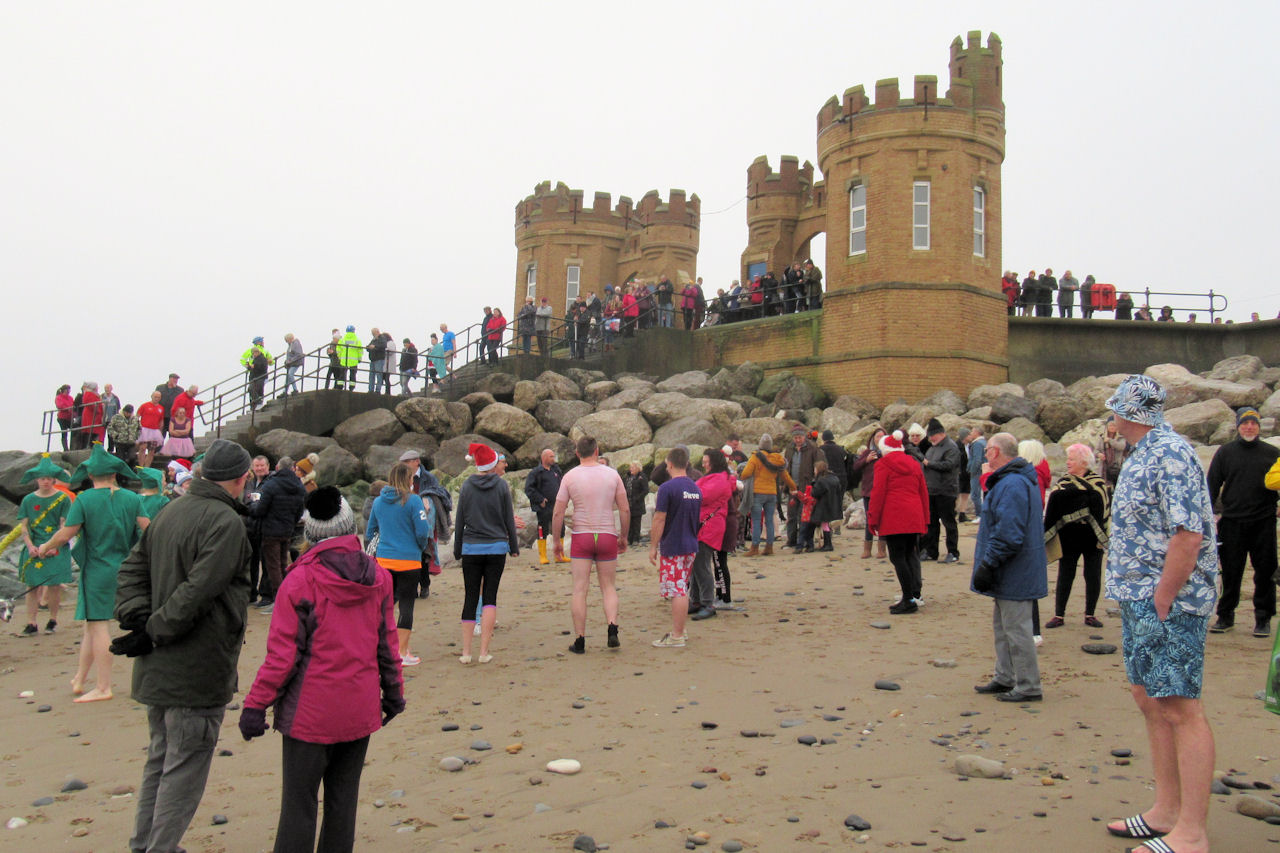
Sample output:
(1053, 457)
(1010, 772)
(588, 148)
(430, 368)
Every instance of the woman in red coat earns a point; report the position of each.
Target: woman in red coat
(91, 415)
(899, 514)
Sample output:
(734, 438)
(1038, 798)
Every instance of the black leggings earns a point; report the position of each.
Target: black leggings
(304, 767)
(905, 556)
(724, 590)
(405, 587)
(481, 573)
(1067, 574)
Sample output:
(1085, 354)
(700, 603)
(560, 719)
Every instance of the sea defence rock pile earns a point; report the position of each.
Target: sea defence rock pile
(638, 418)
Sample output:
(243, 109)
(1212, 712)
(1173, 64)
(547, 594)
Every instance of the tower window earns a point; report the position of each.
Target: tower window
(920, 215)
(979, 222)
(858, 220)
(531, 281)
(572, 286)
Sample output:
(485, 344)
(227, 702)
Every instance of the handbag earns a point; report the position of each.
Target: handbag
(1053, 548)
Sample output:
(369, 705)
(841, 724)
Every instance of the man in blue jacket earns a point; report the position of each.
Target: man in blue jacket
(1010, 567)
(977, 455)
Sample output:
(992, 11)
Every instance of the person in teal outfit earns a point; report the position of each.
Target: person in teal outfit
(152, 498)
(41, 514)
(108, 520)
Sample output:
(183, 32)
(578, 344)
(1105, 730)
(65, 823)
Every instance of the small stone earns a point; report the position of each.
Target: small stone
(42, 801)
(943, 664)
(1122, 753)
(724, 777)
(787, 724)
(1046, 781)
(578, 706)
(885, 684)
(449, 727)
(44, 709)
(749, 733)
(883, 626)
(952, 838)
(707, 724)
(979, 767)
(475, 727)
(793, 819)
(481, 745)
(1237, 783)
(731, 846)
(535, 780)
(856, 823)
(74, 734)
(827, 741)
(1262, 786)
(970, 713)
(514, 748)
(661, 824)
(224, 752)
(15, 823)
(26, 694)
(564, 766)
(1039, 814)
(452, 764)
(807, 740)
(700, 838)
(219, 819)
(73, 784)
(79, 832)
(379, 804)
(831, 718)
(1098, 648)
(1256, 807)
(460, 816)
(538, 808)
(1218, 788)
(699, 785)
(585, 843)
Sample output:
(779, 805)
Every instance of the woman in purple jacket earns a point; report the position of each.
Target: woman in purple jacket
(333, 674)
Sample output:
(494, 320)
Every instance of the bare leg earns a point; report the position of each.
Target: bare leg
(85, 662)
(403, 635)
(33, 605)
(54, 598)
(468, 631)
(679, 615)
(97, 638)
(488, 618)
(606, 575)
(581, 570)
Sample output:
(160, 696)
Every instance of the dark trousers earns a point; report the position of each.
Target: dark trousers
(337, 375)
(724, 590)
(633, 532)
(1255, 540)
(493, 351)
(542, 335)
(304, 767)
(904, 554)
(481, 576)
(404, 586)
(1044, 309)
(1065, 310)
(1071, 553)
(942, 512)
(275, 557)
(64, 426)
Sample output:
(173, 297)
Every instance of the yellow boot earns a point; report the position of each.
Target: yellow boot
(542, 552)
(564, 557)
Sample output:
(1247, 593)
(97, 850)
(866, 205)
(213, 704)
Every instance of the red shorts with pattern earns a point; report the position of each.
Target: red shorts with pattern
(673, 575)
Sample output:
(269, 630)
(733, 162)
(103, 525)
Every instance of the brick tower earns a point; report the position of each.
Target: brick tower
(910, 203)
(564, 250)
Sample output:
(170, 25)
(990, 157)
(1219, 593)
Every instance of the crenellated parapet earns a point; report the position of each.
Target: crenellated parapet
(561, 204)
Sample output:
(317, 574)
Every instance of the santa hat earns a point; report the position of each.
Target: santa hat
(177, 466)
(891, 443)
(483, 456)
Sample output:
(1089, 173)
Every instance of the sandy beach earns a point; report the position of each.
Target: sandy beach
(801, 659)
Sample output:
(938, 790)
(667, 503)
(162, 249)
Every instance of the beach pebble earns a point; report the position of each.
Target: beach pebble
(564, 766)
(1098, 648)
(941, 663)
(732, 847)
(79, 832)
(856, 823)
(475, 727)
(578, 706)
(225, 752)
(514, 748)
(397, 794)
(1122, 753)
(699, 785)
(792, 819)
(707, 724)
(15, 823)
(535, 780)
(977, 766)
(1218, 788)
(219, 819)
(379, 804)
(827, 741)
(884, 684)
(234, 706)
(749, 733)
(449, 727)
(26, 694)
(585, 843)
(1237, 783)
(452, 764)
(883, 626)
(807, 740)
(787, 724)
(460, 816)
(700, 838)
(831, 718)
(1256, 807)
(661, 824)
(44, 709)
(73, 784)
(538, 808)
(43, 801)
(481, 745)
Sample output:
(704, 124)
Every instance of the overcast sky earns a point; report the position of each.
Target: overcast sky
(176, 178)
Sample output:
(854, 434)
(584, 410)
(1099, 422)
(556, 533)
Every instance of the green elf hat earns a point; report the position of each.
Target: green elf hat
(151, 478)
(101, 463)
(46, 468)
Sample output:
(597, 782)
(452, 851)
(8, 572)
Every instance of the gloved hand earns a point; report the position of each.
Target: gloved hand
(985, 578)
(136, 622)
(133, 644)
(253, 722)
(392, 706)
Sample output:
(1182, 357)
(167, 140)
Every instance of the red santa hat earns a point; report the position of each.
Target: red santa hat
(891, 443)
(483, 455)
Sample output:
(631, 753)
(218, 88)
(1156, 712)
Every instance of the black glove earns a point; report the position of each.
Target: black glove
(253, 722)
(133, 644)
(985, 578)
(392, 706)
(136, 622)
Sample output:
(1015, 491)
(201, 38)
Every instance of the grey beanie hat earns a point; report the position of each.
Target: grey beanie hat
(328, 515)
(224, 460)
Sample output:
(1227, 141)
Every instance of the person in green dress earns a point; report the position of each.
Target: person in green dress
(152, 499)
(108, 520)
(41, 514)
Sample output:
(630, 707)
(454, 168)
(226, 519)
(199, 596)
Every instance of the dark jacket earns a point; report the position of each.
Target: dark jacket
(188, 582)
(485, 514)
(827, 492)
(280, 508)
(837, 462)
(542, 484)
(408, 358)
(808, 456)
(637, 488)
(525, 318)
(944, 464)
(1236, 477)
(1011, 535)
(1078, 512)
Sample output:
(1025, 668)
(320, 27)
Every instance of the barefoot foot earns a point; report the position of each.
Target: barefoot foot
(77, 686)
(94, 695)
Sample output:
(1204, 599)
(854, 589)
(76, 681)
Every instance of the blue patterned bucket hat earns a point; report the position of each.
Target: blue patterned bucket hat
(1139, 399)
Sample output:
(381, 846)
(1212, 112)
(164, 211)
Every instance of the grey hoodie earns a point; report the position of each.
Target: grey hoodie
(485, 514)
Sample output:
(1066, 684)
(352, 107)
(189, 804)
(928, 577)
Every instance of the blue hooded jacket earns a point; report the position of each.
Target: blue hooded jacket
(404, 530)
(1011, 536)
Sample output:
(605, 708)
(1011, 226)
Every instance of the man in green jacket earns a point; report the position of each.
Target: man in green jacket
(349, 350)
(183, 594)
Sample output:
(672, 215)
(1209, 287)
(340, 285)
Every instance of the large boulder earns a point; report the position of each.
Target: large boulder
(560, 415)
(664, 408)
(750, 430)
(985, 395)
(501, 385)
(477, 401)
(895, 415)
(434, 416)
(13, 465)
(1043, 389)
(1059, 413)
(641, 453)
(338, 467)
(795, 393)
(8, 521)
(855, 442)
(1088, 432)
(747, 402)
(945, 401)
(425, 443)
(597, 391)
(507, 425)
(839, 421)
(627, 398)
(1270, 407)
(627, 381)
(1237, 368)
(743, 379)
(451, 458)
(360, 432)
(559, 387)
(770, 385)
(529, 394)
(584, 377)
(1182, 387)
(378, 460)
(529, 454)
(693, 383)
(284, 442)
(689, 431)
(1023, 429)
(857, 406)
(613, 430)
(1200, 420)
(1006, 407)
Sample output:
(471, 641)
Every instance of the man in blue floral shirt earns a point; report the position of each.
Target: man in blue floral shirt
(1162, 567)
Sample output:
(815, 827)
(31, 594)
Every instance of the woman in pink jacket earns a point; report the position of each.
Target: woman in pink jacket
(333, 674)
(718, 487)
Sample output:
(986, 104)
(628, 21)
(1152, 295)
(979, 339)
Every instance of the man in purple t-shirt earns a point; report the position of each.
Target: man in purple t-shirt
(675, 528)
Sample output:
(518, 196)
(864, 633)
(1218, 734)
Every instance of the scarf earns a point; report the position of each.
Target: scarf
(1089, 482)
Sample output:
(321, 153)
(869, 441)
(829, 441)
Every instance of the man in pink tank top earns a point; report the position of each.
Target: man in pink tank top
(595, 490)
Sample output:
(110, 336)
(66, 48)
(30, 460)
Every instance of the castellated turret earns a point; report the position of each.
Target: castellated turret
(566, 249)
